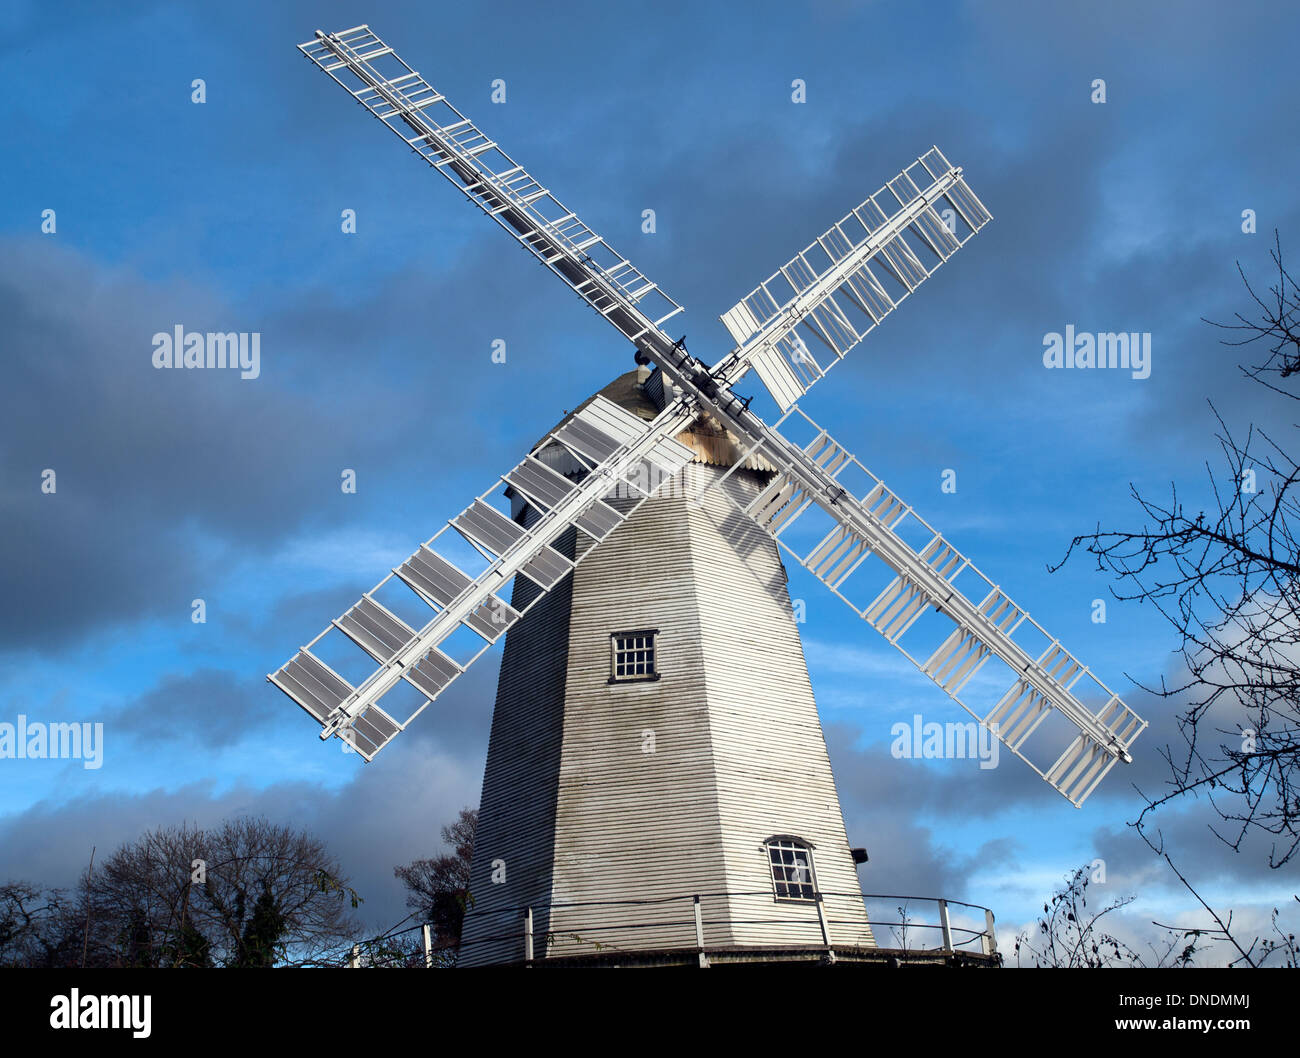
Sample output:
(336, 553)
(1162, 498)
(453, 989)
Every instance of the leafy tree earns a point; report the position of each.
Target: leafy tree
(262, 935)
(188, 949)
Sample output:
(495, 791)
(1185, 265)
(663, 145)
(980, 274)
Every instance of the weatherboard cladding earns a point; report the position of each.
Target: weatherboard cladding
(517, 806)
(578, 810)
(739, 752)
(633, 825)
(773, 771)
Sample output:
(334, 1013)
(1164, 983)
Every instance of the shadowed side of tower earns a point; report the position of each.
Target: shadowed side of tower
(514, 839)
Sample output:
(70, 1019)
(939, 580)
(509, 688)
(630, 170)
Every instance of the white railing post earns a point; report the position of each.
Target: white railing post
(990, 934)
(826, 927)
(945, 925)
(528, 936)
(699, 934)
(428, 948)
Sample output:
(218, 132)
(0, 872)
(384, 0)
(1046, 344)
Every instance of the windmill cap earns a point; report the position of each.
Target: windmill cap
(642, 392)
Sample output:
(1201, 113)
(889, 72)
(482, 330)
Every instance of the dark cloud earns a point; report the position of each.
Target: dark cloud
(375, 350)
(390, 813)
(210, 706)
(162, 474)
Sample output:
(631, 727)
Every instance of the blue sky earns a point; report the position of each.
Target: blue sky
(375, 355)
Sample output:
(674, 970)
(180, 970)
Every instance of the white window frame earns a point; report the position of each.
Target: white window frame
(785, 874)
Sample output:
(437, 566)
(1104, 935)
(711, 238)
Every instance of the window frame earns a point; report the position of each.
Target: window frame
(647, 677)
(793, 844)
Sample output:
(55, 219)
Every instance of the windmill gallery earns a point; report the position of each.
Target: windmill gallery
(629, 607)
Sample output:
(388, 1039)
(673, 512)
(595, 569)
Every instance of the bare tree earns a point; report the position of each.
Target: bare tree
(437, 889)
(247, 893)
(134, 900)
(267, 896)
(1070, 934)
(37, 926)
(1227, 579)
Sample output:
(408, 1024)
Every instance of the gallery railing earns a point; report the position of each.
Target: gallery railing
(902, 927)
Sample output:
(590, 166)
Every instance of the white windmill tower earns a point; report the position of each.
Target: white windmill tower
(657, 780)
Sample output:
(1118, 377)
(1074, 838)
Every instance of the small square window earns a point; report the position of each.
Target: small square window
(632, 655)
(792, 871)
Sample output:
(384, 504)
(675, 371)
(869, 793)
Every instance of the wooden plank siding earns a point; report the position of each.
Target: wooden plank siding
(516, 822)
(632, 824)
(773, 772)
(615, 839)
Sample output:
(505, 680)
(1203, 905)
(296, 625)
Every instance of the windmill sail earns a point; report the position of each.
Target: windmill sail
(619, 450)
(397, 95)
(944, 615)
(959, 627)
(850, 278)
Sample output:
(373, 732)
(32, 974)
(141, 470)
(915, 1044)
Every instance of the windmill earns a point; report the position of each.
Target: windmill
(655, 732)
